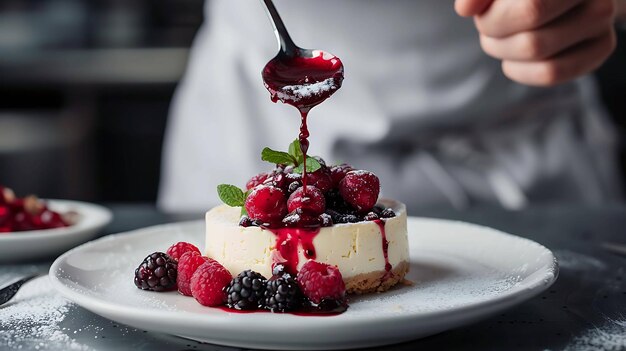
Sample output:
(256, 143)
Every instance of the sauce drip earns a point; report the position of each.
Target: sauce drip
(288, 242)
(385, 244)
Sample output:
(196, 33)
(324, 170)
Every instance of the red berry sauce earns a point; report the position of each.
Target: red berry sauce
(385, 244)
(288, 241)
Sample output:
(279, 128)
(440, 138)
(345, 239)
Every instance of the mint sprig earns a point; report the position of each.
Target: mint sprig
(277, 157)
(295, 157)
(296, 151)
(231, 195)
(312, 165)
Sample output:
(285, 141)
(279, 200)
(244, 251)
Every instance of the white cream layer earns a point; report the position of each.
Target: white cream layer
(355, 248)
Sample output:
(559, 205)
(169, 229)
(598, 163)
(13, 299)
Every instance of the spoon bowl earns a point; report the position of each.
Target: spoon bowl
(296, 76)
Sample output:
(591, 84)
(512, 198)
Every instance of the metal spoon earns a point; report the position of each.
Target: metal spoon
(296, 76)
(7, 293)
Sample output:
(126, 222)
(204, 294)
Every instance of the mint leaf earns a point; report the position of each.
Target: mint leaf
(312, 165)
(296, 151)
(277, 157)
(231, 195)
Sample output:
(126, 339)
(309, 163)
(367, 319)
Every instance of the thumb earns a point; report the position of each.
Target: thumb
(467, 8)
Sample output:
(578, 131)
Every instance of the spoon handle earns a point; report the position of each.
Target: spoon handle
(8, 292)
(287, 45)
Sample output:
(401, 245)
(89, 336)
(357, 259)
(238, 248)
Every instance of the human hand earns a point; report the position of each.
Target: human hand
(544, 42)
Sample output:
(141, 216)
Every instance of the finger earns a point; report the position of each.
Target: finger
(589, 20)
(507, 17)
(570, 64)
(467, 8)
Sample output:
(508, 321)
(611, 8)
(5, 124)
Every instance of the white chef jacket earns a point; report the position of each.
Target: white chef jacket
(421, 106)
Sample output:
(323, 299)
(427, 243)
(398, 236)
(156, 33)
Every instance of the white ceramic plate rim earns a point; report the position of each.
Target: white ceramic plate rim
(90, 216)
(535, 283)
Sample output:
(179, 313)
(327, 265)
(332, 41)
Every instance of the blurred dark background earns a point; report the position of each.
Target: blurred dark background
(85, 88)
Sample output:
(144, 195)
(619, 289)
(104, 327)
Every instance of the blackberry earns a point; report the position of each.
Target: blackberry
(282, 294)
(245, 221)
(372, 216)
(293, 187)
(246, 291)
(157, 272)
(388, 213)
(278, 270)
(347, 218)
(378, 209)
(326, 220)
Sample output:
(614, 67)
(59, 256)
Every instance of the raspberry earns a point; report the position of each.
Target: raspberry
(177, 250)
(320, 179)
(338, 172)
(6, 218)
(320, 281)
(246, 291)
(282, 294)
(311, 202)
(266, 203)
(157, 272)
(256, 180)
(187, 265)
(208, 283)
(360, 189)
(7, 196)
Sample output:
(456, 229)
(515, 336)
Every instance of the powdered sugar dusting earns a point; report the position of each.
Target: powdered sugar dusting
(32, 320)
(297, 92)
(611, 336)
(437, 288)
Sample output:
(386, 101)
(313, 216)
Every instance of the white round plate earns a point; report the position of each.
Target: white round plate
(49, 243)
(461, 273)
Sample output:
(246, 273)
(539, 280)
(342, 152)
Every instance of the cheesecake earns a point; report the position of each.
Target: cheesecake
(372, 256)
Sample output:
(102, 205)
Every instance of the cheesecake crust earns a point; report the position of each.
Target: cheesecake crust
(378, 281)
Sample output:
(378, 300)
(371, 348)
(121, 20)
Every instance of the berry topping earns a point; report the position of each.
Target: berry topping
(256, 180)
(293, 181)
(293, 187)
(187, 265)
(208, 283)
(301, 219)
(157, 272)
(246, 291)
(326, 220)
(387, 213)
(282, 294)
(177, 250)
(360, 189)
(370, 216)
(320, 179)
(267, 204)
(320, 281)
(245, 221)
(312, 202)
(338, 172)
